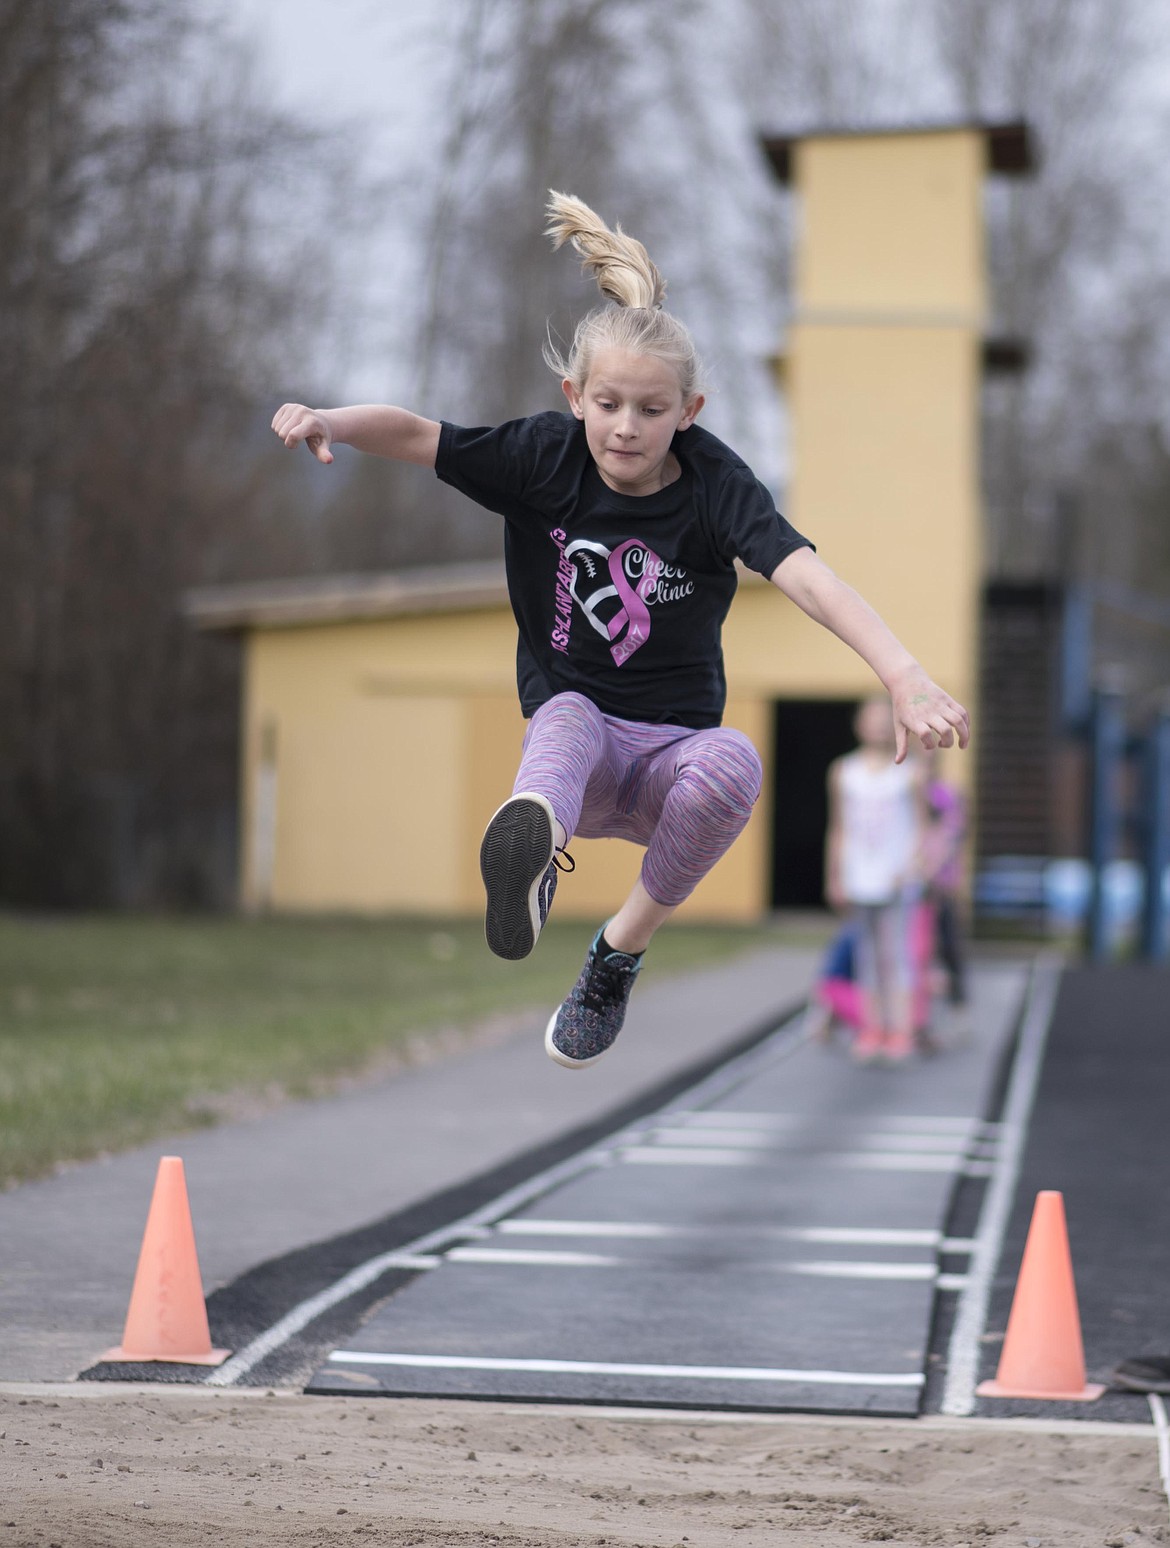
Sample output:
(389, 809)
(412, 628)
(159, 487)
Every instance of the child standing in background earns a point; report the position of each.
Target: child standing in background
(873, 868)
(623, 520)
(945, 837)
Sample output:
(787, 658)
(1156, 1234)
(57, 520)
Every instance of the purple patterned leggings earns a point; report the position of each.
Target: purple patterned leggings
(684, 795)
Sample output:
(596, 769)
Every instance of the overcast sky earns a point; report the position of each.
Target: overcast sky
(348, 59)
(376, 70)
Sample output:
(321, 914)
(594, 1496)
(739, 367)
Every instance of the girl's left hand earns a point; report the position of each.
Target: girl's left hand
(924, 710)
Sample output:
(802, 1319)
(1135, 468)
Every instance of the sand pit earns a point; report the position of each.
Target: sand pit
(97, 1466)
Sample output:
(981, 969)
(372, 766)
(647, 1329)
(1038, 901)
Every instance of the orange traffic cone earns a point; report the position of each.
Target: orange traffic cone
(167, 1319)
(1043, 1356)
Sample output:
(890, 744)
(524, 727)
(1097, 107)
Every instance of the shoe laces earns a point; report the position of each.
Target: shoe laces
(564, 861)
(606, 978)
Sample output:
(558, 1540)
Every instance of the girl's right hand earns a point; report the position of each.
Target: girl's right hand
(294, 423)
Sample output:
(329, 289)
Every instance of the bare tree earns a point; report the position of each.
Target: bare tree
(1064, 246)
(146, 297)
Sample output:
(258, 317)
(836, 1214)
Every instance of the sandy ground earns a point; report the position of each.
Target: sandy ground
(88, 1466)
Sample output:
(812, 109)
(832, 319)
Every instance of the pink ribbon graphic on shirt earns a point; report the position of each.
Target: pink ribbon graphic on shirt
(633, 611)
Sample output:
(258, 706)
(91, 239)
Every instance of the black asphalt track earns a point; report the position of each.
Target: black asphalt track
(772, 1243)
(1099, 1135)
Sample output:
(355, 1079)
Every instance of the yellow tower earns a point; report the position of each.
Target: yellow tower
(883, 369)
(882, 374)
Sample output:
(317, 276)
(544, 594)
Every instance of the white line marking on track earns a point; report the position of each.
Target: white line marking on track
(719, 1118)
(865, 1160)
(971, 1313)
(1162, 1430)
(619, 1228)
(845, 1268)
(861, 1236)
(898, 1161)
(740, 1139)
(854, 1236)
(612, 1368)
(533, 1256)
(820, 1268)
(910, 1142)
(758, 1139)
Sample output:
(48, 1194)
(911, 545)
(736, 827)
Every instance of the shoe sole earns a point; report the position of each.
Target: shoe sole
(558, 1057)
(516, 851)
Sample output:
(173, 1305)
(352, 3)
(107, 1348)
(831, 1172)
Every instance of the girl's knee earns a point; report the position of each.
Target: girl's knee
(745, 760)
(723, 773)
(733, 764)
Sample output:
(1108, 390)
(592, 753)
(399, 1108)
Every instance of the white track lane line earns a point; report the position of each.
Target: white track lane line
(867, 1160)
(779, 1045)
(845, 1268)
(607, 1368)
(971, 1313)
(756, 1139)
(848, 1236)
(722, 1118)
(535, 1257)
(819, 1268)
(951, 1282)
(1162, 1430)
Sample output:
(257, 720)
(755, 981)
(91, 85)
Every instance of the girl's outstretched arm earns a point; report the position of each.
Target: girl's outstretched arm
(921, 707)
(377, 428)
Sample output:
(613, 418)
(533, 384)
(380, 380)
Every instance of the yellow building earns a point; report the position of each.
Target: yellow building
(380, 722)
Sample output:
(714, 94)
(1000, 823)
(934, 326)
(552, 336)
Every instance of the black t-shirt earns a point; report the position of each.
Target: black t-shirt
(618, 597)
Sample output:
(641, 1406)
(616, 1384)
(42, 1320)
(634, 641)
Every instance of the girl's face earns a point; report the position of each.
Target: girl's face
(632, 405)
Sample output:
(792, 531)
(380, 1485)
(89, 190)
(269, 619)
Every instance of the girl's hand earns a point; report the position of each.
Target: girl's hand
(294, 423)
(924, 710)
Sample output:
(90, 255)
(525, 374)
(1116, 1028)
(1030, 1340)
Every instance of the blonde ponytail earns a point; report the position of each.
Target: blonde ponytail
(620, 265)
(635, 320)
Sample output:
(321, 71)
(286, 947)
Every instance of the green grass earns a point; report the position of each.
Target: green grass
(114, 1028)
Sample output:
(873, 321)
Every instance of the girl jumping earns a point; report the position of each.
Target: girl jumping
(622, 523)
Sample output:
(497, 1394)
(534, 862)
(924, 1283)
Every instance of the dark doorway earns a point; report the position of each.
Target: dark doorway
(807, 734)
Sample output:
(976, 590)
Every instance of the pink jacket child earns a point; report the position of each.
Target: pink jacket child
(838, 992)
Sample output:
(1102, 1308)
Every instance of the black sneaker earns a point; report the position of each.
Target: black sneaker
(588, 1021)
(518, 862)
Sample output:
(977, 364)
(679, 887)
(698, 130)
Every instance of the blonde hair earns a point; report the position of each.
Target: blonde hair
(634, 320)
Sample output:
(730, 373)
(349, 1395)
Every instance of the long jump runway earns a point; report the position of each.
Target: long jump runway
(770, 1240)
